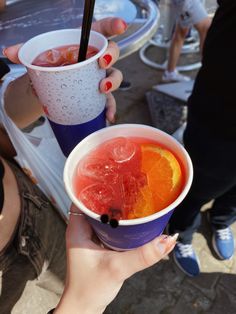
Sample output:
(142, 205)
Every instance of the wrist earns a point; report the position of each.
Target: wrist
(76, 305)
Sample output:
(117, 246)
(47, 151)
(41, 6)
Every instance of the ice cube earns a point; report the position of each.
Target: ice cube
(53, 57)
(70, 54)
(130, 186)
(100, 169)
(129, 189)
(97, 197)
(121, 149)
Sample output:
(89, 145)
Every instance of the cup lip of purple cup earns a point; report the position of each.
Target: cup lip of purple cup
(137, 221)
(65, 68)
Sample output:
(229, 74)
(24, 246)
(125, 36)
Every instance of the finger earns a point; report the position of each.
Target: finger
(111, 108)
(110, 26)
(145, 256)
(112, 81)
(79, 233)
(78, 230)
(107, 26)
(12, 53)
(170, 249)
(110, 56)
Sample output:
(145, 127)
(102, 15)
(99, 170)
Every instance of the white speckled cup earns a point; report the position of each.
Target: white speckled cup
(70, 94)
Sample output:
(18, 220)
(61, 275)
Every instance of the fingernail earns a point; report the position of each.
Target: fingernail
(107, 59)
(108, 86)
(166, 242)
(174, 237)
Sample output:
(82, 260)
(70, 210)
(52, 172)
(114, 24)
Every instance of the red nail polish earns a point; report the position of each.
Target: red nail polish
(108, 86)
(107, 59)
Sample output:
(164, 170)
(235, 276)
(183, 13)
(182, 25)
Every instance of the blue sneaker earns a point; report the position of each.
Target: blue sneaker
(186, 259)
(223, 243)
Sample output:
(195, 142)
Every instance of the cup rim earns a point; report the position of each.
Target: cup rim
(68, 67)
(136, 221)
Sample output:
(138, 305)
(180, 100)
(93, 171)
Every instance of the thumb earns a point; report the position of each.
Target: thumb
(146, 255)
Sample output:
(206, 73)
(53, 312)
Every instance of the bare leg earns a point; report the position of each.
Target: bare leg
(202, 28)
(176, 46)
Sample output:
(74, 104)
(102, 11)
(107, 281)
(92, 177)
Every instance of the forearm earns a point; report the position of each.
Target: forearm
(7, 150)
(21, 104)
(76, 305)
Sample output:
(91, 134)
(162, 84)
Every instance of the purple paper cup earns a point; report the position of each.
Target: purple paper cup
(134, 232)
(70, 94)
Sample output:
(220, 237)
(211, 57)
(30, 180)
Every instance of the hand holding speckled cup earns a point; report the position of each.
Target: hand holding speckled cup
(70, 94)
(106, 174)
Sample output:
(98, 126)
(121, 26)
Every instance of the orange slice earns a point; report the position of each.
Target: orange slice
(164, 180)
(144, 206)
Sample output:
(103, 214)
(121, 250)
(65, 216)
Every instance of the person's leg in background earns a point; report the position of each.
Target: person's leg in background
(177, 41)
(202, 28)
(210, 138)
(212, 180)
(189, 14)
(221, 215)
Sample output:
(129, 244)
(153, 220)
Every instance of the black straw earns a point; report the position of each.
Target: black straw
(86, 27)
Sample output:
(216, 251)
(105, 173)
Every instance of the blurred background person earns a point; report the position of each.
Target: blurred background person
(210, 139)
(189, 13)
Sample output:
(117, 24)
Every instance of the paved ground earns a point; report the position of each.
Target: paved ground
(163, 289)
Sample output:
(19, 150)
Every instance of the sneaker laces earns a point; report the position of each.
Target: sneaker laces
(224, 234)
(185, 249)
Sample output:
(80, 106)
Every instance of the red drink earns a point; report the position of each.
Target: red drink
(61, 56)
(128, 178)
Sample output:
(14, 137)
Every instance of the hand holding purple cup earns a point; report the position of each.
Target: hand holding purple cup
(130, 233)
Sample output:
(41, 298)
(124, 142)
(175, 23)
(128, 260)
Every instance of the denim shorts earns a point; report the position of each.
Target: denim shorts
(189, 12)
(32, 265)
